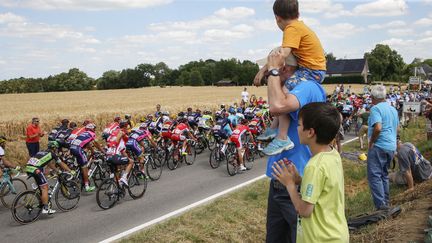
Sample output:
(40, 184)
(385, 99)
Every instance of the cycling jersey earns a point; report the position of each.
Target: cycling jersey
(223, 124)
(233, 119)
(135, 138)
(109, 129)
(114, 146)
(167, 127)
(204, 121)
(180, 132)
(35, 166)
(75, 133)
(238, 137)
(52, 136)
(83, 139)
(255, 126)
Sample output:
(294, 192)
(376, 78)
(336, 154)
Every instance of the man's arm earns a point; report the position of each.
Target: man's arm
(409, 179)
(375, 133)
(279, 102)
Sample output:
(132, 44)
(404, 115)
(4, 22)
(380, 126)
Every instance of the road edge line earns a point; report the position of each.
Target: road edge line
(188, 207)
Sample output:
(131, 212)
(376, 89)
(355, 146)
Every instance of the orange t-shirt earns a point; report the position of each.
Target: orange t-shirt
(30, 131)
(305, 45)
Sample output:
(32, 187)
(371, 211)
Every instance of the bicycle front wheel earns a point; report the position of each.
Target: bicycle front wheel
(68, 195)
(99, 176)
(216, 157)
(107, 194)
(173, 159)
(232, 164)
(248, 159)
(137, 184)
(191, 155)
(27, 207)
(10, 191)
(153, 170)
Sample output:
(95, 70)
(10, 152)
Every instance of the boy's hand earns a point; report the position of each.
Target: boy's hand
(283, 173)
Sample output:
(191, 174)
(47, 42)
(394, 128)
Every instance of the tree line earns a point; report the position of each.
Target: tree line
(194, 73)
(385, 64)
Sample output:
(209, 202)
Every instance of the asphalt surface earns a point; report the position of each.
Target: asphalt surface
(88, 223)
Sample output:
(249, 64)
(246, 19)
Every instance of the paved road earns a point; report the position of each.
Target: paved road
(88, 223)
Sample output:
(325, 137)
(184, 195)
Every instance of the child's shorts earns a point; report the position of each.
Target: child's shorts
(304, 74)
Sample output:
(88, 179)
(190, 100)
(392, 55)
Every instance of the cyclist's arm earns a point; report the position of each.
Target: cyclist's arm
(97, 145)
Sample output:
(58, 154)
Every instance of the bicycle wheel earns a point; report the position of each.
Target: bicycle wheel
(232, 164)
(191, 155)
(107, 194)
(27, 207)
(137, 184)
(67, 195)
(211, 142)
(173, 159)
(200, 145)
(248, 159)
(159, 157)
(153, 170)
(10, 191)
(215, 159)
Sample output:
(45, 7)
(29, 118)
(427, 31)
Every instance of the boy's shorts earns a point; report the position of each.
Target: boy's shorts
(304, 74)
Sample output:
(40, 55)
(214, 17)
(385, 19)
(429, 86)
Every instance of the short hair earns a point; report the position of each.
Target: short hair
(378, 91)
(323, 118)
(286, 9)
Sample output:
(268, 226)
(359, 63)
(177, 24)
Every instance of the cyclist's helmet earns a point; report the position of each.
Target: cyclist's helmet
(2, 139)
(86, 121)
(127, 116)
(143, 126)
(123, 123)
(53, 145)
(231, 110)
(258, 114)
(72, 125)
(189, 109)
(239, 110)
(90, 126)
(222, 106)
(165, 113)
(207, 112)
(117, 118)
(198, 111)
(65, 122)
(180, 115)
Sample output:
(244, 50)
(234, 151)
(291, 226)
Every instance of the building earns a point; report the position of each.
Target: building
(225, 83)
(425, 70)
(348, 67)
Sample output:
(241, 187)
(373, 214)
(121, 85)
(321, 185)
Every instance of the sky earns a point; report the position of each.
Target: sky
(39, 38)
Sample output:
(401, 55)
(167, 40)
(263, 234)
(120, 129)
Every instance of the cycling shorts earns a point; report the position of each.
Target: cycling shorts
(166, 134)
(221, 133)
(238, 140)
(79, 154)
(133, 146)
(39, 177)
(118, 160)
(193, 123)
(178, 137)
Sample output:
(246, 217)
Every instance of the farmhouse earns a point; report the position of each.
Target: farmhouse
(225, 83)
(348, 67)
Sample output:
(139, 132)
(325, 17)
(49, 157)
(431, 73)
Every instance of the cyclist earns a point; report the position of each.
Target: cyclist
(85, 140)
(52, 136)
(238, 137)
(130, 122)
(232, 116)
(116, 150)
(206, 121)
(136, 138)
(3, 162)
(181, 130)
(35, 168)
(111, 127)
(191, 118)
(239, 113)
(77, 130)
(223, 128)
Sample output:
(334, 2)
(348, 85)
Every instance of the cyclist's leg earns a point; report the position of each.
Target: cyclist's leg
(42, 183)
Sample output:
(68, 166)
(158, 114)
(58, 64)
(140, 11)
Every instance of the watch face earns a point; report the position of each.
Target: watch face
(274, 72)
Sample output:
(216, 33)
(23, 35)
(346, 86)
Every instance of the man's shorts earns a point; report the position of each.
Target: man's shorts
(133, 146)
(178, 137)
(39, 177)
(238, 140)
(304, 74)
(220, 133)
(79, 154)
(118, 160)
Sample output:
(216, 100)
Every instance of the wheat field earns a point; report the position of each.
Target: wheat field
(101, 105)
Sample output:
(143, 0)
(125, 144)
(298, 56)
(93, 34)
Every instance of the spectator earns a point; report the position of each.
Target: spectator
(383, 123)
(281, 214)
(253, 100)
(413, 167)
(33, 134)
(348, 90)
(364, 126)
(158, 110)
(245, 95)
(260, 101)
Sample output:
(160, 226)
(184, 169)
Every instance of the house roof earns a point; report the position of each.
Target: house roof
(427, 69)
(345, 66)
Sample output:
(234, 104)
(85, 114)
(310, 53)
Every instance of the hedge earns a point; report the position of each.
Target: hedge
(344, 80)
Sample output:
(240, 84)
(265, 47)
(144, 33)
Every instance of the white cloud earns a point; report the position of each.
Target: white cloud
(392, 24)
(338, 31)
(428, 2)
(400, 32)
(10, 18)
(235, 13)
(382, 8)
(330, 9)
(424, 22)
(89, 5)
(227, 35)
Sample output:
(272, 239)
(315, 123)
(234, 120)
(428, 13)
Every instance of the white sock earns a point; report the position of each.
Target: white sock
(223, 148)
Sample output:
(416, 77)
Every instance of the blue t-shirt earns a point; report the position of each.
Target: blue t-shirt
(388, 117)
(306, 92)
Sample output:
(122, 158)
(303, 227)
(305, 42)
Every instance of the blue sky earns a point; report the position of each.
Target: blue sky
(39, 38)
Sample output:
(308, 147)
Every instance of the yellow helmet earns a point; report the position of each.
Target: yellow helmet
(174, 116)
(259, 114)
(362, 157)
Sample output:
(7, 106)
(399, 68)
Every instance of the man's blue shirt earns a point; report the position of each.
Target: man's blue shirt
(306, 92)
(388, 117)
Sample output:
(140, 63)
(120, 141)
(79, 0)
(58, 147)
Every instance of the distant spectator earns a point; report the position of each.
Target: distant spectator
(245, 95)
(413, 167)
(253, 100)
(364, 127)
(260, 101)
(382, 128)
(158, 110)
(33, 134)
(348, 90)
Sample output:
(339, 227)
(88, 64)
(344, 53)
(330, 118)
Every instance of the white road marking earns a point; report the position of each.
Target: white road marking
(190, 206)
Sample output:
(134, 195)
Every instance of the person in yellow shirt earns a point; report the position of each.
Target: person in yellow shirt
(321, 206)
(301, 42)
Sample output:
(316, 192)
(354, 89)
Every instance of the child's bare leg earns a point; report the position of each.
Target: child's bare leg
(284, 123)
(275, 123)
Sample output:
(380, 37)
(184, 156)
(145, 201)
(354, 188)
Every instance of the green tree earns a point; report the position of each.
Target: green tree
(385, 64)
(330, 57)
(196, 78)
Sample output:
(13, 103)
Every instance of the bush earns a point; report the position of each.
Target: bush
(344, 80)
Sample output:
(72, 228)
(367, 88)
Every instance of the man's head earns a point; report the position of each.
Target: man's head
(285, 10)
(378, 93)
(318, 123)
(65, 122)
(158, 107)
(245, 89)
(35, 121)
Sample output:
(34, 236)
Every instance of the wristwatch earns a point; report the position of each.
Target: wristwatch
(274, 72)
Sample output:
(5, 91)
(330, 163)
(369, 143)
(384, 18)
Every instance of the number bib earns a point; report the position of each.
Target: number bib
(33, 162)
(134, 136)
(217, 127)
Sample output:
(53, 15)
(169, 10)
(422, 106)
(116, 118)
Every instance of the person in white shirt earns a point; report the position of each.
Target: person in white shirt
(245, 95)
